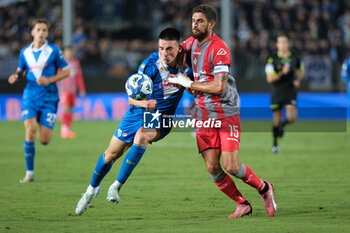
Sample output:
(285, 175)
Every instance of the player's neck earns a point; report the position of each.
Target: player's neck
(38, 44)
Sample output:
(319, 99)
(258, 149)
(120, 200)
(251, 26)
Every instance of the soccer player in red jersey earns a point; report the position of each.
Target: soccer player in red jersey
(216, 98)
(68, 88)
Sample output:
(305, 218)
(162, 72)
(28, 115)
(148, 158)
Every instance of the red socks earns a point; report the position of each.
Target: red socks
(67, 119)
(252, 179)
(227, 186)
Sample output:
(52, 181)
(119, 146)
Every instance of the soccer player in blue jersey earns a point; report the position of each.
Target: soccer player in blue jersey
(345, 75)
(130, 131)
(39, 63)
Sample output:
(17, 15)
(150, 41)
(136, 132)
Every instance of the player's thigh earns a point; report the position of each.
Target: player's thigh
(291, 112)
(211, 158)
(207, 138)
(45, 134)
(47, 116)
(144, 136)
(116, 148)
(30, 126)
(230, 133)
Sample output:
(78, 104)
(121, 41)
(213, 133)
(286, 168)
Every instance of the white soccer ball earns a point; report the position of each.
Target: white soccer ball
(139, 86)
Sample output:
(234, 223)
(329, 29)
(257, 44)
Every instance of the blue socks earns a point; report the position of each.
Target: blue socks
(101, 169)
(29, 154)
(130, 161)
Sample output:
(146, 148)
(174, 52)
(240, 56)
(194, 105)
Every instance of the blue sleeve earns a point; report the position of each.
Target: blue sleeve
(60, 62)
(148, 67)
(21, 62)
(345, 72)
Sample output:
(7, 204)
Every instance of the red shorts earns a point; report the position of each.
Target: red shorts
(67, 98)
(225, 138)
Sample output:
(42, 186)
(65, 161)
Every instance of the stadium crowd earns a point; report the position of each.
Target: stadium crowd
(318, 30)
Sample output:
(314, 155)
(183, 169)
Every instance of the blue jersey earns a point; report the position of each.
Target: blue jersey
(345, 71)
(44, 61)
(165, 93)
(345, 74)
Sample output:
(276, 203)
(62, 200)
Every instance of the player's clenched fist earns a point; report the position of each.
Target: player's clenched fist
(13, 78)
(43, 81)
(151, 105)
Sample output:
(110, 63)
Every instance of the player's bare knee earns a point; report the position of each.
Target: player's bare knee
(44, 141)
(213, 168)
(232, 168)
(110, 156)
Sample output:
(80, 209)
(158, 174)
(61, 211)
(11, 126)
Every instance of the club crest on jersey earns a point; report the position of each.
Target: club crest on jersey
(221, 52)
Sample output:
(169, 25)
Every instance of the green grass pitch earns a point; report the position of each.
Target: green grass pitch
(170, 190)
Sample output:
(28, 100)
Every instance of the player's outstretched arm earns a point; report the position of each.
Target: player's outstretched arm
(216, 87)
(149, 105)
(59, 76)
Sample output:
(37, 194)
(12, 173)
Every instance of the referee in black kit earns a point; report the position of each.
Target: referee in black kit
(284, 71)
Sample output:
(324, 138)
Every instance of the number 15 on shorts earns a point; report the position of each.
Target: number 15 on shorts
(234, 131)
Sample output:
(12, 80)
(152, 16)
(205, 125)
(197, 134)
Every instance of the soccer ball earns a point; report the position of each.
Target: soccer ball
(139, 86)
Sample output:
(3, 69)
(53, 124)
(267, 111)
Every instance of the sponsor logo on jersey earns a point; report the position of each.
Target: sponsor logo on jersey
(221, 52)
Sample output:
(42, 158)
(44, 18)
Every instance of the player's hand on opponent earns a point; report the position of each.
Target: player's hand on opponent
(180, 79)
(13, 78)
(150, 105)
(43, 81)
(181, 57)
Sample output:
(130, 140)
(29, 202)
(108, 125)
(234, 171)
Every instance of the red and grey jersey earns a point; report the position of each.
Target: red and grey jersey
(210, 59)
(75, 80)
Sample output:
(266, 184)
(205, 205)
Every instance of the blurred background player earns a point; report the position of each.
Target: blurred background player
(39, 61)
(345, 75)
(68, 88)
(165, 98)
(284, 71)
(217, 98)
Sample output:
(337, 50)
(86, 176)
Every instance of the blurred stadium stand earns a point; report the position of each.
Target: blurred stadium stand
(112, 37)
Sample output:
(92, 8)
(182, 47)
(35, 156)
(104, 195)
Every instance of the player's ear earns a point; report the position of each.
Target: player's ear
(212, 24)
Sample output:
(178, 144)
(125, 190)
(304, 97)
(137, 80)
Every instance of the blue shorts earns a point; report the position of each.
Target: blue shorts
(43, 111)
(129, 126)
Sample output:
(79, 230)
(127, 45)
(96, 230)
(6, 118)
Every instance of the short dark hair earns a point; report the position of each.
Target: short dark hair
(41, 20)
(170, 34)
(281, 34)
(207, 10)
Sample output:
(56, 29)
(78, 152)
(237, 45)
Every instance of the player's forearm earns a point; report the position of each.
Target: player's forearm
(216, 87)
(139, 103)
(300, 74)
(270, 78)
(61, 75)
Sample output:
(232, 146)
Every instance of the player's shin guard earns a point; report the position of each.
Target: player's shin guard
(101, 169)
(132, 158)
(247, 175)
(228, 186)
(29, 154)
